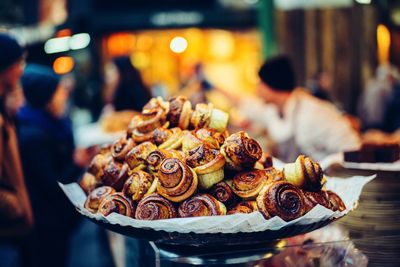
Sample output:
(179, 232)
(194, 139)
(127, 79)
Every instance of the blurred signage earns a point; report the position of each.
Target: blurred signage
(304, 4)
(177, 18)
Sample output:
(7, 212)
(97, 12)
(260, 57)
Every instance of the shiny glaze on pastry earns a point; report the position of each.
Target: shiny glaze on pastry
(201, 205)
(155, 207)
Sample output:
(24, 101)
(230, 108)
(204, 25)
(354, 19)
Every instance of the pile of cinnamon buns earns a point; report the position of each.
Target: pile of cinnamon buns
(177, 162)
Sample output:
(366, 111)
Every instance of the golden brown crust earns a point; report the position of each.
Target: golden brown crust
(241, 151)
(96, 196)
(138, 154)
(223, 193)
(201, 205)
(160, 135)
(115, 175)
(137, 185)
(117, 203)
(281, 199)
(177, 181)
(179, 112)
(98, 164)
(88, 182)
(155, 158)
(121, 147)
(335, 202)
(155, 207)
(248, 206)
(248, 184)
(311, 199)
(201, 116)
(211, 137)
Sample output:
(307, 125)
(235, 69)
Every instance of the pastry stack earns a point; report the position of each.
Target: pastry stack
(176, 162)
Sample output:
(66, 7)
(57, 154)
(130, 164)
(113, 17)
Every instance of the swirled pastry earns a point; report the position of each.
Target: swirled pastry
(190, 142)
(201, 205)
(88, 182)
(223, 193)
(117, 203)
(139, 185)
(281, 199)
(240, 151)
(335, 202)
(136, 158)
(160, 135)
(155, 207)
(248, 206)
(155, 158)
(304, 173)
(177, 181)
(206, 116)
(115, 175)
(98, 164)
(248, 184)
(311, 199)
(96, 196)
(180, 110)
(211, 137)
(174, 141)
(208, 164)
(121, 147)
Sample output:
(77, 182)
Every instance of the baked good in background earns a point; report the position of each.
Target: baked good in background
(374, 152)
(178, 162)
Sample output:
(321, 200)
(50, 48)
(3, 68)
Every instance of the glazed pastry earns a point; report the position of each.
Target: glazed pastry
(139, 185)
(175, 140)
(98, 164)
(201, 205)
(275, 174)
(180, 110)
(244, 207)
(190, 142)
(115, 174)
(206, 116)
(155, 207)
(208, 164)
(265, 161)
(117, 203)
(136, 158)
(240, 151)
(201, 116)
(248, 185)
(155, 158)
(304, 173)
(223, 193)
(281, 199)
(156, 103)
(177, 181)
(88, 182)
(160, 135)
(311, 199)
(335, 202)
(211, 137)
(121, 147)
(96, 196)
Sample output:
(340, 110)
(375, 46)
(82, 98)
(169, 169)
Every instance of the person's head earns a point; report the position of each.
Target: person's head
(277, 80)
(125, 88)
(11, 63)
(44, 90)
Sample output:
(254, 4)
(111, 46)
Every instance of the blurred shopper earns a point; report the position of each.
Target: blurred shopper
(321, 85)
(376, 97)
(196, 87)
(15, 210)
(297, 122)
(125, 89)
(47, 152)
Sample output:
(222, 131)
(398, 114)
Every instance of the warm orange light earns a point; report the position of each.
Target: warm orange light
(63, 33)
(383, 40)
(119, 44)
(63, 65)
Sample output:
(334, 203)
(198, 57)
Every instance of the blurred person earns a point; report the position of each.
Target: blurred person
(296, 121)
(48, 155)
(321, 85)
(197, 85)
(15, 210)
(392, 114)
(375, 99)
(124, 88)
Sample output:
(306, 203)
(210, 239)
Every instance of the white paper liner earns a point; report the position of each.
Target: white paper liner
(379, 166)
(348, 189)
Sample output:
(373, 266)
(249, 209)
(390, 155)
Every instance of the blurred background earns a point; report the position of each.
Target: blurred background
(165, 40)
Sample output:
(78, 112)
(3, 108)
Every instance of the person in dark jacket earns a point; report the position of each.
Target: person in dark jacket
(47, 152)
